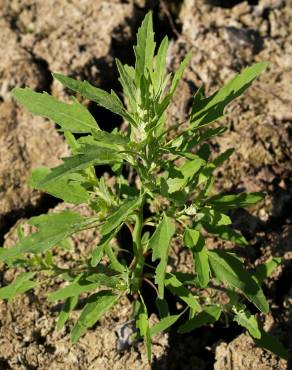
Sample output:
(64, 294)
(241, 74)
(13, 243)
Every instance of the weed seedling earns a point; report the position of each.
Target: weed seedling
(170, 197)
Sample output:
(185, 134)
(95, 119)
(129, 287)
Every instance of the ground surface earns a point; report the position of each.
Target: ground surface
(81, 39)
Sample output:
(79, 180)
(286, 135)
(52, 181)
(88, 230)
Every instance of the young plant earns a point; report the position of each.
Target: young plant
(173, 177)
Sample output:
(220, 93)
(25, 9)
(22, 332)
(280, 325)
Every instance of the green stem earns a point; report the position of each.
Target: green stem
(138, 250)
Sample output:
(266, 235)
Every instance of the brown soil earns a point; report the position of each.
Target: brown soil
(81, 39)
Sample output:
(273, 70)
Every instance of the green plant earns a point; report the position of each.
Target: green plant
(173, 174)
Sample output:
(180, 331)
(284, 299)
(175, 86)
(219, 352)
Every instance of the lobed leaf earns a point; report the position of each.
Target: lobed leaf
(144, 50)
(208, 315)
(176, 287)
(67, 308)
(163, 324)
(195, 241)
(159, 243)
(20, 285)
(266, 269)
(68, 188)
(99, 96)
(53, 228)
(230, 270)
(72, 117)
(97, 305)
(120, 215)
(207, 110)
(227, 202)
(248, 321)
(143, 325)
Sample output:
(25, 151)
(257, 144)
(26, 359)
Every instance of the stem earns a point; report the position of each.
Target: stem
(138, 250)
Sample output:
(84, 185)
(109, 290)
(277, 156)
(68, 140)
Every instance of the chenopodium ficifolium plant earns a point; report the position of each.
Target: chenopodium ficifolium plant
(172, 169)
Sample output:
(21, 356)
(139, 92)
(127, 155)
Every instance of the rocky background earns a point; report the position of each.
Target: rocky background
(81, 39)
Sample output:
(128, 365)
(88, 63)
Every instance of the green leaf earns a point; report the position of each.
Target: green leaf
(67, 188)
(176, 288)
(68, 307)
(72, 117)
(114, 262)
(120, 215)
(80, 285)
(159, 243)
(226, 233)
(53, 228)
(160, 62)
(92, 156)
(180, 177)
(248, 321)
(266, 269)
(195, 241)
(209, 315)
(272, 344)
(226, 202)
(162, 307)
(142, 324)
(210, 167)
(230, 270)
(20, 285)
(128, 85)
(97, 305)
(85, 283)
(207, 110)
(144, 50)
(98, 252)
(163, 324)
(99, 96)
(177, 77)
(212, 218)
(194, 140)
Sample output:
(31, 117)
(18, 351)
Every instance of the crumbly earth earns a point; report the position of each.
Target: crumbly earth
(81, 39)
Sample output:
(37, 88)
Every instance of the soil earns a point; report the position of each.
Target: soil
(81, 39)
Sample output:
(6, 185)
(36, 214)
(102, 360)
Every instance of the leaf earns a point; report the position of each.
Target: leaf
(120, 215)
(143, 325)
(209, 315)
(85, 283)
(226, 233)
(144, 50)
(128, 85)
(114, 262)
(67, 188)
(68, 307)
(160, 62)
(80, 285)
(183, 175)
(210, 167)
(230, 270)
(194, 140)
(92, 156)
(266, 269)
(176, 288)
(226, 202)
(195, 241)
(99, 96)
(207, 110)
(72, 117)
(97, 305)
(177, 77)
(20, 285)
(159, 243)
(53, 228)
(162, 307)
(248, 321)
(163, 324)
(212, 218)
(272, 344)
